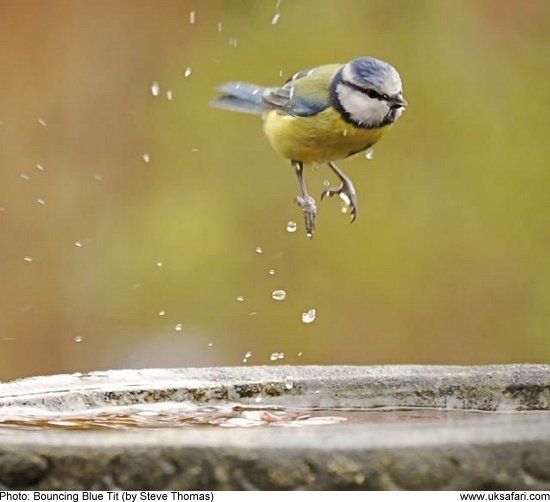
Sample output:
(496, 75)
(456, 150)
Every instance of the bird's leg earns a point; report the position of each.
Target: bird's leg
(306, 202)
(346, 188)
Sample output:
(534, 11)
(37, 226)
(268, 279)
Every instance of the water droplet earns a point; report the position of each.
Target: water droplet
(194, 150)
(98, 177)
(240, 298)
(369, 154)
(281, 355)
(344, 197)
(344, 209)
(78, 244)
(233, 42)
(252, 313)
(291, 227)
(40, 167)
(278, 294)
(220, 26)
(169, 94)
(78, 339)
(192, 17)
(326, 183)
(248, 355)
(345, 132)
(187, 72)
(274, 356)
(159, 264)
(146, 158)
(300, 354)
(178, 326)
(155, 88)
(309, 316)
(24, 176)
(40, 201)
(42, 122)
(27, 258)
(162, 312)
(276, 18)
(289, 383)
(281, 73)
(259, 250)
(210, 344)
(271, 271)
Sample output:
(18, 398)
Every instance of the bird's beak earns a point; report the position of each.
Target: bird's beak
(398, 101)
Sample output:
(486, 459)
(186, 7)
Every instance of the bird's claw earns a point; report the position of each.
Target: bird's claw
(307, 203)
(346, 191)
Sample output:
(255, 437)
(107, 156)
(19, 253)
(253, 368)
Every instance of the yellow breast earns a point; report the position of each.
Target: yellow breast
(319, 138)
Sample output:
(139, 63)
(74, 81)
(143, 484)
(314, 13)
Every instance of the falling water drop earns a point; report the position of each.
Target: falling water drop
(271, 271)
(259, 250)
(192, 17)
(187, 72)
(240, 298)
(159, 264)
(369, 154)
(169, 94)
(155, 89)
(309, 316)
(78, 244)
(278, 294)
(27, 258)
(276, 18)
(78, 339)
(178, 326)
(146, 158)
(289, 383)
(42, 122)
(291, 227)
(162, 312)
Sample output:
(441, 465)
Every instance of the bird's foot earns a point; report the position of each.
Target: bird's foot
(345, 191)
(307, 203)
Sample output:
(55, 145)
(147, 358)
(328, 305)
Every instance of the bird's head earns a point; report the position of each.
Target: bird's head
(368, 92)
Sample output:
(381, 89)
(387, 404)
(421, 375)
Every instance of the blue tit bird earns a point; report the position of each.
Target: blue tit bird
(321, 115)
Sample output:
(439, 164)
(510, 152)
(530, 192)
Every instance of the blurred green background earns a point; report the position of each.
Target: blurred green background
(102, 254)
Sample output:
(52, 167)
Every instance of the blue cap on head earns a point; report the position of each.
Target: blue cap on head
(373, 72)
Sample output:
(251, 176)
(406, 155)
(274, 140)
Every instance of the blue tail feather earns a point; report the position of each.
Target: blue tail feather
(240, 96)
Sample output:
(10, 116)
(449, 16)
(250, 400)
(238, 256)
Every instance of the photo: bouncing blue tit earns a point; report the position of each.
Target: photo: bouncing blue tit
(321, 115)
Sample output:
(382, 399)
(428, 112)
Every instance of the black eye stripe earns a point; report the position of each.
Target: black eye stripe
(371, 93)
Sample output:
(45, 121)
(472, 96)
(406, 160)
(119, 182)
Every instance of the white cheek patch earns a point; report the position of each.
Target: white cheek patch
(362, 109)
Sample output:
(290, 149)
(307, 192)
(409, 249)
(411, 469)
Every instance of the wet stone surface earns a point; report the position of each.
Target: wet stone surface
(507, 447)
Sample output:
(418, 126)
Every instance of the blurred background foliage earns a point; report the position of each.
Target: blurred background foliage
(103, 254)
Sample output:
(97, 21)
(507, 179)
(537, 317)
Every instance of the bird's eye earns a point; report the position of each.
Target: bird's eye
(386, 97)
(371, 93)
